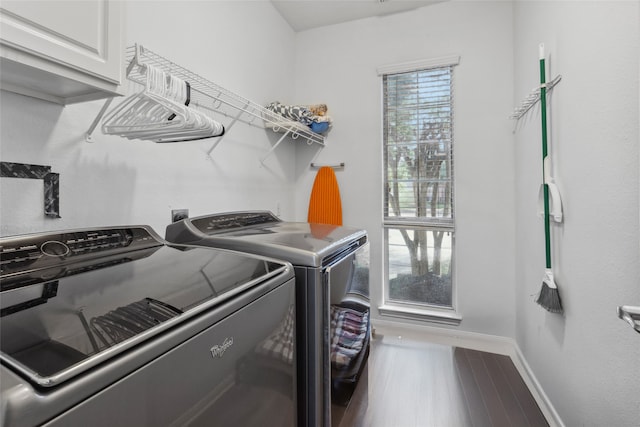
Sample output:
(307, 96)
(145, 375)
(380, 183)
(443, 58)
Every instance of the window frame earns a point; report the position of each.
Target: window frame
(406, 309)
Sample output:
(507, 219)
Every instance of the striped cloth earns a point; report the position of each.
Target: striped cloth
(294, 112)
(349, 331)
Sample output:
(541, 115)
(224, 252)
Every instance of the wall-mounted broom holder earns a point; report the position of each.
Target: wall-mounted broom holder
(533, 98)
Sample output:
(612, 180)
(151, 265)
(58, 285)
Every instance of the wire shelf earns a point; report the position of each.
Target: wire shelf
(208, 95)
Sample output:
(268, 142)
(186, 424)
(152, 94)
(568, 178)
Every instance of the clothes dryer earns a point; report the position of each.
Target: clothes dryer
(332, 297)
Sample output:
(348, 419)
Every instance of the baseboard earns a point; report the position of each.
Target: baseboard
(480, 342)
(534, 386)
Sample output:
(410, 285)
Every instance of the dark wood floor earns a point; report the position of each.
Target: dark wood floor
(414, 383)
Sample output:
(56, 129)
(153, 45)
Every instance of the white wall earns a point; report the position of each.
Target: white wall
(337, 65)
(244, 46)
(586, 360)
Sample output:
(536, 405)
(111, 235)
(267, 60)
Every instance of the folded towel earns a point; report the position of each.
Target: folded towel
(349, 331)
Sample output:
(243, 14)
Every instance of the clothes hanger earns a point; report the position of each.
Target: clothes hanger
(160, 112)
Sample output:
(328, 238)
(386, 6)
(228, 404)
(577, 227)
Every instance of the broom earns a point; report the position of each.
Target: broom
(549, 297)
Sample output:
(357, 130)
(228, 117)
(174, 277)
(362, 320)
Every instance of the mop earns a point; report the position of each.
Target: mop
(549, 297)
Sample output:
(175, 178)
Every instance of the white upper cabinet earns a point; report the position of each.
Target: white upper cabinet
(61, 51)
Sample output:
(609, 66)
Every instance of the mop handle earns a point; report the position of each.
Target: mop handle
(543, 114)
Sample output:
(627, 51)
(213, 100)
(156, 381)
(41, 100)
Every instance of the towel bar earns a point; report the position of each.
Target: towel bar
(338, 166)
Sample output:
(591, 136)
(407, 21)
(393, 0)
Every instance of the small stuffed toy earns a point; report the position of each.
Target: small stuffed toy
(318, 109)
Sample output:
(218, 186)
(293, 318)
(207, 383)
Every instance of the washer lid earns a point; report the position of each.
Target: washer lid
(61, 320)
(262, 233)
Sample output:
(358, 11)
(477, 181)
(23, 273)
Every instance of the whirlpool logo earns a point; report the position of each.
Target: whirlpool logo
(219, 349)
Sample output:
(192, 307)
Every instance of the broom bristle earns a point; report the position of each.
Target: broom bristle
(549, 298)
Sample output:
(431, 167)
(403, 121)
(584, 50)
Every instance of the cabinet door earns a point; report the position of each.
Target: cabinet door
(78, 44)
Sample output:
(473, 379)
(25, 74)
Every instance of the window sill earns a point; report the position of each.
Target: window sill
(447, 317)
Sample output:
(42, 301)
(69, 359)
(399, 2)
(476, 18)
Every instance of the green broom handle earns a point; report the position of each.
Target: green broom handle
(543, 113)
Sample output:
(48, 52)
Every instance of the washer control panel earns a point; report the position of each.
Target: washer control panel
(38, 251)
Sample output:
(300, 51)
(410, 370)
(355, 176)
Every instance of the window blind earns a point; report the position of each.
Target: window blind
(418, 146)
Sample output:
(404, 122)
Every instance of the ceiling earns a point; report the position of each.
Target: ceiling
(306, 14)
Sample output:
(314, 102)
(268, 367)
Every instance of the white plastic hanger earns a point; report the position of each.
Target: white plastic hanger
(160, 113)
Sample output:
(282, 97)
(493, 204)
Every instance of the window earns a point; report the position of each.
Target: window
(418, 164)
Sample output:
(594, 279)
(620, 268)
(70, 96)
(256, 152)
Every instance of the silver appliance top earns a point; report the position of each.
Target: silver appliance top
(261, 232)
(72, 300)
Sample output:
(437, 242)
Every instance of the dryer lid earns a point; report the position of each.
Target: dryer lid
(260, 232)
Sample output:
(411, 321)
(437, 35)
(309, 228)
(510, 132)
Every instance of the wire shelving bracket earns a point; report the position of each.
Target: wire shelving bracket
(210, 96)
